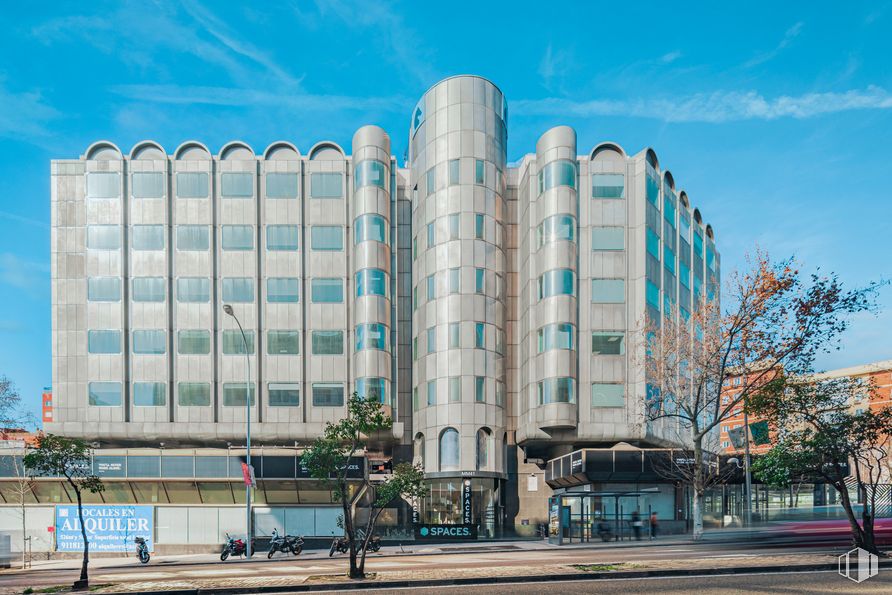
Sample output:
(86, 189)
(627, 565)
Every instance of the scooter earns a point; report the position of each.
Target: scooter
(286, 543)
(142, 550)
(233, 547)
(605, 532)
(342, 544)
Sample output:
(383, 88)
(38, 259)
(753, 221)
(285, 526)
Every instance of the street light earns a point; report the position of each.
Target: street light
(228, 309)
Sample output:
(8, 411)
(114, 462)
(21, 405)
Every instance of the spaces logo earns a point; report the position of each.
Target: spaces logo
(858, 565)
(446, 532)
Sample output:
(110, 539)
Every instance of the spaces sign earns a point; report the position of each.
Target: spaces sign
(109, 528)
(428, 532)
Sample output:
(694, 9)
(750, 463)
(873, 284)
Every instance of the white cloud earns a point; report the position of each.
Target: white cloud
(719, 106)
(670, 57)
(29, 276)
(789, 35)
(554, 67)
(25, 115)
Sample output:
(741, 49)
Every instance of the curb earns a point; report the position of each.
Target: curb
(495, 580)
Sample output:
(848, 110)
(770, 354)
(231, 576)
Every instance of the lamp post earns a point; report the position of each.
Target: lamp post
(228, 309)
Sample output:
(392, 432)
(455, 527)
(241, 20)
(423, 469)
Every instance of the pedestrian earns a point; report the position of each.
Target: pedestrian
(654, 525)
(636, 525)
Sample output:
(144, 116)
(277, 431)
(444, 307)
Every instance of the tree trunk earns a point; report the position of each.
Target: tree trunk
(697, 489)
(84, 581)
(860, 536)
(23, 528)
(355, 571)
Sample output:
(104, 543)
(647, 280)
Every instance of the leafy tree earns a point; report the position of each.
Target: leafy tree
(820, 436)
(57, 456)
(775, 319)
(328, 460)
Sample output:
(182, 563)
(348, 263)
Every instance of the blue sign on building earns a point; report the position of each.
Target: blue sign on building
(109, 528)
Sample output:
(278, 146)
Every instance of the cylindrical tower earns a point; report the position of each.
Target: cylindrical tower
(457, 154)
(371, 265)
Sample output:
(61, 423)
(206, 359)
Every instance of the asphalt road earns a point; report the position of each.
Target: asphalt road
(791, 582)
(317, 562)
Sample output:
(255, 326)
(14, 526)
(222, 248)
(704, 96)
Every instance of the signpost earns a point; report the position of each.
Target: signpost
(109, 528)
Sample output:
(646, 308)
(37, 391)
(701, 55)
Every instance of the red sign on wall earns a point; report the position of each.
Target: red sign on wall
(248, 474)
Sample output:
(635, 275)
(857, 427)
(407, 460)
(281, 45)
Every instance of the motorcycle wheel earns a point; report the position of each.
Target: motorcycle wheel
(269, 554)
(224, 555)
(331, 551)
(144, 557)
(297, 549)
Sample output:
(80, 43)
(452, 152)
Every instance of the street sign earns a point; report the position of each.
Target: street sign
(248, 474)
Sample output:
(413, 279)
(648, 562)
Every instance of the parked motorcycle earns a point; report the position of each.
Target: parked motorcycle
(342, 544)
(284, 543)
(605, 532)
(142, 549)
(234, 547)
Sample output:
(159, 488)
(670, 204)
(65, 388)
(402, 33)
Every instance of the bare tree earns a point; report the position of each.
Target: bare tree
(775, 319)
(10, 402)
(22, 487)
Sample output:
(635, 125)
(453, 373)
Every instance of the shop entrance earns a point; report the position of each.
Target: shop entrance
(576, 517)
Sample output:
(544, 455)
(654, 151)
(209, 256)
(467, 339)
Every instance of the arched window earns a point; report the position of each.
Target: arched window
(418, 450)
(449, 450)
(484, 438)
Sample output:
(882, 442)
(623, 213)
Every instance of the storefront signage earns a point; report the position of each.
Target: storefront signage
(466, 502)
(445, 532)
(553, 518)
(109, 528)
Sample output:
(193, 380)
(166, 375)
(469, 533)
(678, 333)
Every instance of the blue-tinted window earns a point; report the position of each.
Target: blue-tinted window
(669, 208)
(373, 389)
(652, 294)
(369, 173)
(652, 190)
(431, 286)
(284, 394)
(235, 343)
(104, 394)
(283, 343)
(193, 237)
(194, 394)
(608, 343)
(698, 243)
(653, 244)
(326, 185)
(328, 342)
(150, 342)
(372, 282)
(669, 259)
(103, 185)
(557, 173)
(238, 237)
(607, 395)
(104, 289)
(556, 390)
(608, 238)
(432, 339)
(557, 282)
(608, 186)
(192, 185)
(327, 291)
(710, 257)
(684, 274)
(281, 290)
(561, 335)
(326, 394)
(608, 291)
(147, 185)
(281, 237)
(103, 237)
(149, 394)
(193, 342)
(450, 452)
(556, 228)
(432, 392)
(479, 389)
(431, 235)
(454, 177)
(371, 336)
(148, 289)
(236, 185)
(431, 180)
(370, 228)
(104, 341)
(479, 172)
(193, 289)
(479, 335)
(235, 394)
(478, 226)
(238, 290)
(327, 237)
(281, 185)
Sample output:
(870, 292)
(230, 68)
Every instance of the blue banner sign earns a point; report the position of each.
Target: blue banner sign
(109, 528)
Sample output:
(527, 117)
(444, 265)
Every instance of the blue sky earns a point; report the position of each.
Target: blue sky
(776, 119)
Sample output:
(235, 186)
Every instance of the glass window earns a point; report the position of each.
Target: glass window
(432, 339)
(480, 389)
(669, 259)
(371, 336)
(478, 280)
(454, 280)
(281, 185)
(373, 389)
(483, 440)
(607, 395)
(104, 289)
(608, 343)
(234, 343)
(710, 257)
(453, 172)
(327, 291)
(283, 394)
(192, 185)
(193, 237)
(238, 237)
(103, 237)
(328, 394)
(608, 291)
(500, 393)
(608, 238)
(478, 226)
(372, 282)
(147, 185)
(238, 289)
(454, 389)
(556, 228)
(431, 287)
(652, 189)
(431, 235)
(236, 185)
(149, 394)
(327, 237)
(669, 208)
(283, 343)
(193, 289)
(326, 185)
(235, 394)
(148, 289)
(608, 186)
(449, 450)
(479, 335)
(454, 335)
(281, 237)
(104, 394)
(431, 180)
(557, 390)
(194, 394)
(432, 392)
(328, 342)
(698, 243)
(557, 173)
(653, 244)
(370, 228)
(104, 341)
(561, 335)
(684, 274)
(150, 342)
(103, 185)
(479, 172)
(193, 342)
(652, 294)
(369, 173)
(454, 221)
(281, 290)
(557, 282)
